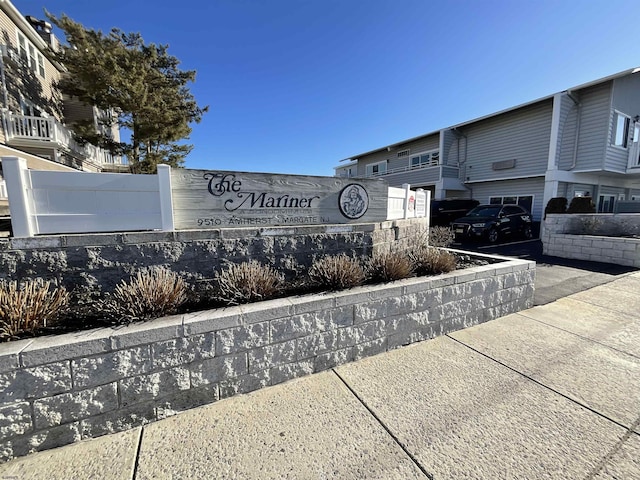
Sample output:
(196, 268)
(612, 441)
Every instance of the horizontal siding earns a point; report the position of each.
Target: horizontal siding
(522, 135)
(21, 80)
(625, 99)
(432, 142)
(526, 186)
(609, 190)
(451, 146)
(626, 94)
(593, 133)
(567, 132)
(419, 178)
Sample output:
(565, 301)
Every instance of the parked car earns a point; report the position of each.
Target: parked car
(443, 212)
(492, 222)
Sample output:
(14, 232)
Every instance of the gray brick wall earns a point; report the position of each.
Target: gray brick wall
(58, 390)
(100, 261)
(559, 238)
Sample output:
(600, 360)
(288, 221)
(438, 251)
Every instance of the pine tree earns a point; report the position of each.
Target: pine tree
(142, 84)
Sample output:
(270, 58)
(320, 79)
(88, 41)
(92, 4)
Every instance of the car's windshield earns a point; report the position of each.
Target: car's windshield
(485, 211)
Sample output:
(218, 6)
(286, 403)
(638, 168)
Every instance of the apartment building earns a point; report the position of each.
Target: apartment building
(35, 116)
(584, 141)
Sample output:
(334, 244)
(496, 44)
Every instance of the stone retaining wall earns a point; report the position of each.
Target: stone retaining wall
(100, 261)
(576, 236)
(59, 390)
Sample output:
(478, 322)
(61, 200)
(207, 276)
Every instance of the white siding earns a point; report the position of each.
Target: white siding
(594, 114)
(431, 142)
(521, 135)
(526, 186)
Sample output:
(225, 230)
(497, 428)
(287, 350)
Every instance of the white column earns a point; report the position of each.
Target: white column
(428, 207)
(166, 200)
(18, 182)
(551, 182)
(407, 195)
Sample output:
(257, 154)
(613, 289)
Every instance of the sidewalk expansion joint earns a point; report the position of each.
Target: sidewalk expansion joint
(601, 464)
(137, 461)
(387, 429)
(573, 400)
(524, 314)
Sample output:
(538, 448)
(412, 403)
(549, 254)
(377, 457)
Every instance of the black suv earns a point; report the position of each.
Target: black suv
(443, 212)
(492, 222)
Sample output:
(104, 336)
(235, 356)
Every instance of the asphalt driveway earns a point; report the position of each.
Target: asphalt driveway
(555, 277)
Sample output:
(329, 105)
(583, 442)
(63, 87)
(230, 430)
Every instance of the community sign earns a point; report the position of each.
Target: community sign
(220, 199)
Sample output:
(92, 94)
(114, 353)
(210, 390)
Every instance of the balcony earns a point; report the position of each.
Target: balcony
(28, 131)
(417, 174)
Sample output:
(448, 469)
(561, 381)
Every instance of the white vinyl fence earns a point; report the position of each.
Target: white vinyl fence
(46, 202)
(406, 203)
(42, 202)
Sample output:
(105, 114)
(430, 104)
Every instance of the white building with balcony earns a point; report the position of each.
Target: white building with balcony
(35, 117)
(584, 141)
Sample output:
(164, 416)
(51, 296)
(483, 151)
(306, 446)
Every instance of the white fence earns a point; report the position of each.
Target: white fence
(42, 202)
(47, 202)
(406, 203)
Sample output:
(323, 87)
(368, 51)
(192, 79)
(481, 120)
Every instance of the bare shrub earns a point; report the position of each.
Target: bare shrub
(429, 260)
(149, 294)
(441, 236)
(247, 282)
(389, 266)
(27, 307)
(336, 272)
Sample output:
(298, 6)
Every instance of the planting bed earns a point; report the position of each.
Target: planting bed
(61, 389)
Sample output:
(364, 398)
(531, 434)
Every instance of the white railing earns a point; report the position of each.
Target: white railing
(406, 203)
(26, 127)
(3, 190)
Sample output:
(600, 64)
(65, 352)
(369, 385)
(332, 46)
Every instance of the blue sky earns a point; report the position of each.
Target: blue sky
(293, 86)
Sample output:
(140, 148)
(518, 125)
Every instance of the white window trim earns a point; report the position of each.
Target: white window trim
(421, 165)
(403, 153)
(614, 129)
(368, 169)
(39, 67)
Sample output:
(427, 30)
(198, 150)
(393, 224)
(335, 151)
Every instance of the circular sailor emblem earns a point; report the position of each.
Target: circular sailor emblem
(353, 201)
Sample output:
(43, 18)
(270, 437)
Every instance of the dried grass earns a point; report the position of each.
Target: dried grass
(389, 266)
(30, 306)
(429, 260)
(441, 236)
(247, 282)
(336, 272)
(149, 294)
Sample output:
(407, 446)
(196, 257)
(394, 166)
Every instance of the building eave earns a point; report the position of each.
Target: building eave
(354, 158)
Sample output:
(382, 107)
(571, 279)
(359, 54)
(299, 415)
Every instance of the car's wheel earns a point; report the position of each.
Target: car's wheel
(526, 232)
(492, 235)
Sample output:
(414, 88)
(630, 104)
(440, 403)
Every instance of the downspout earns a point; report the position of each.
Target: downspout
(574, 158)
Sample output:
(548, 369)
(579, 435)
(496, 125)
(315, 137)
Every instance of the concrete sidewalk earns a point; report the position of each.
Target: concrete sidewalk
(551, 392)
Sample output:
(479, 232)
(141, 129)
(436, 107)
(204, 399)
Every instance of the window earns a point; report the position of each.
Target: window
(376, 169)
(620, 130)
(427, 159)
(30, 55)
(525, 201)
(404, 153)
(606, 203)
